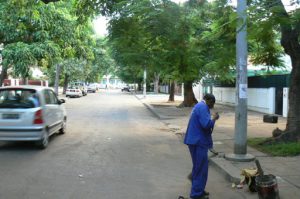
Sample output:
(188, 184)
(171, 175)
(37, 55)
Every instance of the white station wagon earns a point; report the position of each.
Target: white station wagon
(30, 113)
(74, 92)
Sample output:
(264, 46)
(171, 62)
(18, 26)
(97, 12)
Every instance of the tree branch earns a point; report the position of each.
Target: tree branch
(289, 35)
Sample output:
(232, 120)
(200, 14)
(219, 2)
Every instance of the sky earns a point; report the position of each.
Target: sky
(100, 22)
(99, 25)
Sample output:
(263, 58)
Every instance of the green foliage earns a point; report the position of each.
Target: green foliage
(20, 56)
(75, 68)
(27, 40)
(219, 36)
(156, 35)
(129, 42)
(90, 8)
(102, 63)
(38, 34)
(183, 43)
(264, 45)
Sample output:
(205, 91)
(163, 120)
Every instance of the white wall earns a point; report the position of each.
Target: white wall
(198, 91)
(259, 99)
(285, 102)
(224, 95)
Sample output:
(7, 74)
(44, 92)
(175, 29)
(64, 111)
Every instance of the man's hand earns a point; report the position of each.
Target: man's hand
(215, 116)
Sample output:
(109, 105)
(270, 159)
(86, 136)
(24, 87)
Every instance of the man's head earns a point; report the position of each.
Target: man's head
(210, 100)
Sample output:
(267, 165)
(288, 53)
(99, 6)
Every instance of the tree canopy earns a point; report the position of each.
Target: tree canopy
(181, 43)
(43, 35)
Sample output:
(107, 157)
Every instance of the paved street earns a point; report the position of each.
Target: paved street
(114, 148)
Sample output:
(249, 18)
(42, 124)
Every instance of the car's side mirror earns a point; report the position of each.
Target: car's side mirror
(61, 101)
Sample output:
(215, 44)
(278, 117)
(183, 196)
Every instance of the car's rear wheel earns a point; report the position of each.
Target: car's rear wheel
(43, 143)
(63, 127)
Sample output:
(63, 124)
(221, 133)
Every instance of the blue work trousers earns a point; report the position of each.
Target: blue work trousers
(200, 170)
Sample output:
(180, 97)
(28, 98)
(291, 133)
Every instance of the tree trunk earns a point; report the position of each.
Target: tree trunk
(156, 83)
(172, 91)
(3, 75)
(293, 119)
(290, 43)
(25, 80)
(66, 81)
(189, 97)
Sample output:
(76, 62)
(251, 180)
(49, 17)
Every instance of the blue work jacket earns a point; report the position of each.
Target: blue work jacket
(200, 126)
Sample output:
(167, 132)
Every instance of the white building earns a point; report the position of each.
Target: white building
(111, 82)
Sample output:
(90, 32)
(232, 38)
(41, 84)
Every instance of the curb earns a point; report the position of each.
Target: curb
(149, 107)
(226, 168)
(152, 110)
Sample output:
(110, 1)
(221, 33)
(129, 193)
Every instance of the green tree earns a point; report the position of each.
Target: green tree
(268, 21)
(277, 18)
(102, 63)
(35, 34)
(25, 41)
(129, 42)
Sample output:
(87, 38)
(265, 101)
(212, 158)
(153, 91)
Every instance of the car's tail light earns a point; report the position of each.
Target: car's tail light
(38, 117)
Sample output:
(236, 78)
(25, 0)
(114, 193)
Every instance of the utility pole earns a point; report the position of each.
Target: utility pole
(240, 136)
(144, 85)
(1, 67)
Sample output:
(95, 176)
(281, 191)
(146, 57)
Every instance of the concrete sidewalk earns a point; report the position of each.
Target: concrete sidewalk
(286, 169)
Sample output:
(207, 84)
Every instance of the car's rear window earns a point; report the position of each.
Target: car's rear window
(73, 87)
(18, 98)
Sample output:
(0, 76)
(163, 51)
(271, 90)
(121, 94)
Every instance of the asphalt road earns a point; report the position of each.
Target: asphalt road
(114, 148)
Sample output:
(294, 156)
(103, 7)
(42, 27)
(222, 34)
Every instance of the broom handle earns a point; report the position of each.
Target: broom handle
(260, 171)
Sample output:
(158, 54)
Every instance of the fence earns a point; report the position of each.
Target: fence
(259, 99)
(17, 82)
(178, 89)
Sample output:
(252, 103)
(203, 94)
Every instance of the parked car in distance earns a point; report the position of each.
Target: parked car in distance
(128, 89)
(81, 85)
(31, 113)
(73, 92)
(125, 88)
(92, 88)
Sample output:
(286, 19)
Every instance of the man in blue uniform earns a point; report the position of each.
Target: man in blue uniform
(199, 140)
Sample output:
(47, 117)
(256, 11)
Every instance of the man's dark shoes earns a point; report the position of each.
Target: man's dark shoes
(213, 151)
(206, 193)
(189, 177)
(202, 197)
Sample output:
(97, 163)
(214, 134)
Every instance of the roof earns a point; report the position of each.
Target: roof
(252, 73)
